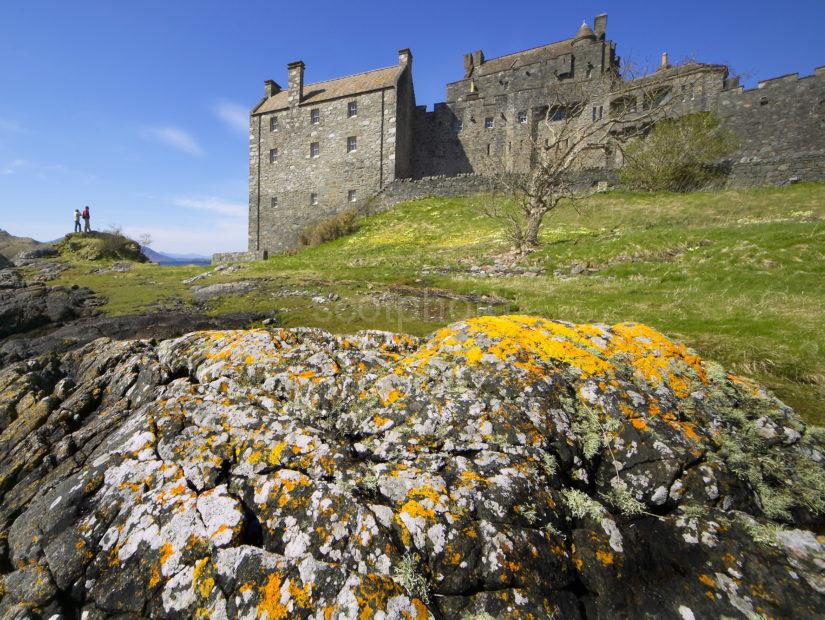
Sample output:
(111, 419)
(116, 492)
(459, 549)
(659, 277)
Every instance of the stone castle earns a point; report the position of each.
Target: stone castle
(319, 149)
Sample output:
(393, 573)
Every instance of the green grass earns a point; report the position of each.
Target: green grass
(737, 275)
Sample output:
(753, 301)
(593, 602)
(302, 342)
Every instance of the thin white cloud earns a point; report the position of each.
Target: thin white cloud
(174, 137)
(234, 115)
(13, 166)
(38, 169)
(213, 204)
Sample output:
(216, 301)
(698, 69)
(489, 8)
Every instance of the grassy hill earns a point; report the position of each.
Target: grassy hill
(10, 245)
(737, 275)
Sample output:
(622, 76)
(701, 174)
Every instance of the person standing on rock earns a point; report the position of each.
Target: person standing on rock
(86, 218)
(77, 220)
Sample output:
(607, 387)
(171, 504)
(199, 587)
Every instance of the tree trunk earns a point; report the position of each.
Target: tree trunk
(534, 220)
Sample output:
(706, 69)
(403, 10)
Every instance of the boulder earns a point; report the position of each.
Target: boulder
(504, 467)
(26, 308)
(4, 262)
(28, 257)
(9, 278)
(205, 293)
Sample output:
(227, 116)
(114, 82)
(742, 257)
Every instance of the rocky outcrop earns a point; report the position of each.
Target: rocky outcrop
(28, 257)
(504, 467)
(9, 278)
(204, 293)
(26, 308)
(152, 325)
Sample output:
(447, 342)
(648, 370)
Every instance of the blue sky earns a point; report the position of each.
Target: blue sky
(139, 109)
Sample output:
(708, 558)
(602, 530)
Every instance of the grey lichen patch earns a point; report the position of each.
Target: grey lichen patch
(409, 576)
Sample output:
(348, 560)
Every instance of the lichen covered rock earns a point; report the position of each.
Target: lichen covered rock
(504, 467)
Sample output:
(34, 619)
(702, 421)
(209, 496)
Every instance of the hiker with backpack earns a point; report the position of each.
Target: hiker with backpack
(77, 220)
(86, 218)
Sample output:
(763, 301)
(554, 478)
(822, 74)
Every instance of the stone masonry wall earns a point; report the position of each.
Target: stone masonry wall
(781, 128)
(331, 175)
(402, 190)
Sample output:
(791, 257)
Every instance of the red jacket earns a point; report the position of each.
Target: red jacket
(86, 213)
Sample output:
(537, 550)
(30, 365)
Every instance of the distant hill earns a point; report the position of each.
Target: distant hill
(11, 245)
(175, 259)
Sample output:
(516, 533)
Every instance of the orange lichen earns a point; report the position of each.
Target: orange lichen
(605, 557)
(415, 509)
(202, 580)
(707, 580)
(421, 611)
(154, 579)
(301, 596)
(372, 595)
(166, 552)
(275, 453)
(530, 342)
(425, 492)
(269, 604)
(392, 396)
(639, 424)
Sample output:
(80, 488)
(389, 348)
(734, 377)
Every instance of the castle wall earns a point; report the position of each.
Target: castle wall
(454, 138)
(781, 129)
(331, 175)
(491, 122)
(404, 126)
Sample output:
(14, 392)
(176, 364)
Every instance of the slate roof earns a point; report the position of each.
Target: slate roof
(376, 79)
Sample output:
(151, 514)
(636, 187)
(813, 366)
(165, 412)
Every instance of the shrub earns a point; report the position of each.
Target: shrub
(678, 155)
(329, 229)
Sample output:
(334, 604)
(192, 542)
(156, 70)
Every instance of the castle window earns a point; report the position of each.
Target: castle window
(314, 116)
(458, 125)
(558, 114)
(313, 198)
(589, 71)
(274, 201)
(273, 155)
(273, 123)
(488, 122)
(352, 109)
(763, 101)
(352, 144)
(598, 112)
(623, 105)
(314, 149)
(351, 195)
(522, 117)
(488, 149)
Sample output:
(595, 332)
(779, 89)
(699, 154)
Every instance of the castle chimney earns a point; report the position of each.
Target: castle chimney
(600, 25)
(271, 88)
(404, 56)
(478, 58)
(468, 65)
(295, 84)
(665, 64)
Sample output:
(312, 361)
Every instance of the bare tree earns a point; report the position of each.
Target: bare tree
(145, 240)
(573, 130)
